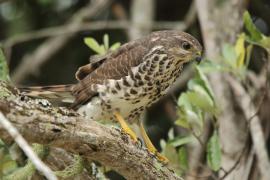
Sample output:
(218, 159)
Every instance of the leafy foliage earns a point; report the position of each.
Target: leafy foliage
(198, 102)
(214, 152)
(235, 57)
(254, 36)
(195, 105)
(101, 48)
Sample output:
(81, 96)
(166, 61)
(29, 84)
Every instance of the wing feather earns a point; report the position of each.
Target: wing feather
(114, 66)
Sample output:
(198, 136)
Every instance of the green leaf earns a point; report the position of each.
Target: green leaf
(240, 50)
(4, 72)
(184, 101)
(179, 141)
(106, 41)
(183, 158)
(93, 44)
(265, 43)
(192, 117)
(255, 34)
(195, 119)
(115, 46)
(205, 83)
(208, 66)
(171, 134)
(256, 37)
(248, 54)
(214, 152)
(195, 102)
(201, 80)
(229, 55)
(102, 49)
(201, 99)
(183, 122)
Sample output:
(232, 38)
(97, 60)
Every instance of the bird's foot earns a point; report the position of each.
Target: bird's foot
(130, 133)
(126, 129)
(150, 147)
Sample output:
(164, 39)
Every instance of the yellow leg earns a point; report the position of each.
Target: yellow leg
(150, 146)
(125, 127)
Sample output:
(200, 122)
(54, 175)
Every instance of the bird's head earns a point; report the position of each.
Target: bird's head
(180, 45)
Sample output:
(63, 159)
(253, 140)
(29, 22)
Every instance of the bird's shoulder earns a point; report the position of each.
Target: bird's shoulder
(112, 65)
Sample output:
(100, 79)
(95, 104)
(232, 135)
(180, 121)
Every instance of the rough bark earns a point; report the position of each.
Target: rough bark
(39, 122)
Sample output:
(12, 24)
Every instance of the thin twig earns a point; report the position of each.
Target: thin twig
(31, 64)
(198, 138)
(258, 139)
(236, 162)
(47, 172)
(85, 26)
(246, 144)
(254, 115)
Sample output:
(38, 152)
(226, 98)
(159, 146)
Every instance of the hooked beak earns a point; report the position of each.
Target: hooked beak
(198, 57)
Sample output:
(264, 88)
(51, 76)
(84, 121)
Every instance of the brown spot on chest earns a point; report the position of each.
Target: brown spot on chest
(125, 82)
(132, 91)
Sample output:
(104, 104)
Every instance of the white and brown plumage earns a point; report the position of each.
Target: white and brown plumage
(131, 78)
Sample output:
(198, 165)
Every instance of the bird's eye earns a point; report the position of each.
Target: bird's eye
(186, 45)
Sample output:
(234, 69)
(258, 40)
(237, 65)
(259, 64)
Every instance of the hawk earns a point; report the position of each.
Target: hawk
(120, 85)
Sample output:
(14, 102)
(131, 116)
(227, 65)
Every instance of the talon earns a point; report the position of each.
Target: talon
(140, 142)
(161, 158)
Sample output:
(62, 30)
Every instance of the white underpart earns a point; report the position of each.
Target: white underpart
(92, 109)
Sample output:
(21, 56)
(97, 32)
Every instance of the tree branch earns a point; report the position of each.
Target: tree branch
(39, 122)
(216, 32)
(85, 26)
(257, 135)
(30, 63)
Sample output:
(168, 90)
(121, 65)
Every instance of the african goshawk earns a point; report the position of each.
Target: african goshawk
(125, 82)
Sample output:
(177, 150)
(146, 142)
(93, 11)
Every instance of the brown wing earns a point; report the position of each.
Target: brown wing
(115, 66)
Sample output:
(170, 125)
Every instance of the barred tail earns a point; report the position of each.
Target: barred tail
(55, 92)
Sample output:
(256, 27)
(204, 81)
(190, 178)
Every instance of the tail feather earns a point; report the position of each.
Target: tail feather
(55, 92)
